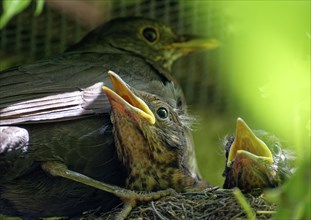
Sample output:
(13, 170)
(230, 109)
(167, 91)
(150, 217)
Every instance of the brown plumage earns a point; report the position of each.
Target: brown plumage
(255, 160)
(151, 140)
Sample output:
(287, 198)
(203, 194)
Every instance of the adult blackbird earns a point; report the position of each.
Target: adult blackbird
(55, 110)
(255, 162)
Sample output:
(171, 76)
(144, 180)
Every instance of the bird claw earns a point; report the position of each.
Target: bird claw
(129, 197)
(146, 196)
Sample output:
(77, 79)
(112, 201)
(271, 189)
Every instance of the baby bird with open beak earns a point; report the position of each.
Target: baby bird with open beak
(255, 161)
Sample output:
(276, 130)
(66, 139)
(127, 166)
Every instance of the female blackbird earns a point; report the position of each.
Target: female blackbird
(55, 110)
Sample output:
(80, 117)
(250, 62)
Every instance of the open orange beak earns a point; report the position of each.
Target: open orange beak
(123, 97)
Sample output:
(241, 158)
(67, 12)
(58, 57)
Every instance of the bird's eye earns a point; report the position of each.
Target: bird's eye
(179, 102)
(162, 113)
(150, 34)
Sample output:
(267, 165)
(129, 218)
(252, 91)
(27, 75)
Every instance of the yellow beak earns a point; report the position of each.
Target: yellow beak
(246, 142)
(190, 44)
(127, 99)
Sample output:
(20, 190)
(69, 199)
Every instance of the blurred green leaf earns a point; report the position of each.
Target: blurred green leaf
(39, 7)
(11, 8)
(295, 196)
(295, 199)
(244, 204)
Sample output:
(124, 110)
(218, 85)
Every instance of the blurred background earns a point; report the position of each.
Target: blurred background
(261, 71)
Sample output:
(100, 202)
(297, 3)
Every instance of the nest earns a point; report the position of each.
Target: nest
(214, 203)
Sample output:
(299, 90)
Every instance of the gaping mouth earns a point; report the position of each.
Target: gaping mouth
(126, 99)
(246, 142)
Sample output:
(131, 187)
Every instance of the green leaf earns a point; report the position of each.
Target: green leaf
(294, 197)
(39, 7)
(244, 204)
(11, 8)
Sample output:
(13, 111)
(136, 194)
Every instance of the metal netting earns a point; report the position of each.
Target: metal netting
(27, 38)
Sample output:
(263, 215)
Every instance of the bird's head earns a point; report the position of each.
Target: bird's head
(151, 138)
(253, 162)
(144, 37)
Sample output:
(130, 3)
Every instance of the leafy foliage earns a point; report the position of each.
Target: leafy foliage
(14, 7)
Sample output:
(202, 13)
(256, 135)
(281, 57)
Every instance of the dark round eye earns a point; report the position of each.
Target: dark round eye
(150, 34)
(162, 113)
(179, 102)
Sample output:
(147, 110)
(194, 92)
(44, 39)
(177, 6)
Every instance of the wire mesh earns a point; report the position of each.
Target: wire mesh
(28, 38)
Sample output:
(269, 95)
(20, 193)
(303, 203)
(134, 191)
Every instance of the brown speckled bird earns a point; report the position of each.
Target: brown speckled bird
(150, 138)
(152, 144)
(255, 161)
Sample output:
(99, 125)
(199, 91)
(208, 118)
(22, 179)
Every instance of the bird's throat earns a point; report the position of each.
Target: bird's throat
(159, 177)
(150, 167)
